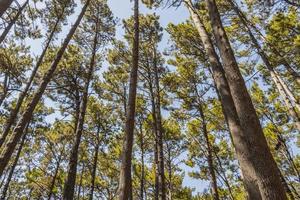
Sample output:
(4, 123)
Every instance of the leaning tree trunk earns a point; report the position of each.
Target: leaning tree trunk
(211, 167)
(54, 179)
(16, 109)
(161, 167)
(282, 88)
(13, 167)
(4, 5)
(125, 182)
(13, 21)
(5, 88)
(241, 145)
(18, 130)
(262, 163)
(71, 178)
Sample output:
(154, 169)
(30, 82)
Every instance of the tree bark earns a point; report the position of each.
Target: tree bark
(240, 143)
(161, 167)
(13, 21)
(263, 165)
(4, 5)
(125, 182)
(211, 167)
(18, 130)
(15, 111)
(94, 170)
(13, 167)
(5, 88)
(71, 178)
(282, 88)
(54, 179)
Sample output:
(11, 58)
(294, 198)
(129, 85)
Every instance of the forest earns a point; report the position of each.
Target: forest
(93, 106)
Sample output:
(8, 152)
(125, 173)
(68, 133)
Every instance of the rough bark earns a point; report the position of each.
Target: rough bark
(5, 89)
(13, 21)
(4, 5)
(16, 109)
(18, 130)
(263, 166)
(229, 110)
(125, 182)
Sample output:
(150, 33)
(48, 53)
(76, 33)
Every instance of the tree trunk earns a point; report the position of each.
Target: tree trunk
(54, 179)
(94, 171)
(162, 183)
(71, 178)
(125, 183)
(4, 5)
(13, 21)
(142, 189)
(211, 167)
(11, 172)
(18, 130)
(282, 88)
(15, 111)
(262, 163)
(155, 131)
(240, 143)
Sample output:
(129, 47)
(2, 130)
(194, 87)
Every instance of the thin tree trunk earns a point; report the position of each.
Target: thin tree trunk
(125, 182)
(80, 181)
(4, 5)
(54, 179)
(94, 170)
(242, 147)
(209, 156)
(18, 130)
(283, 89)
(13, 21)
(142, 189)
(263, 165)
(15, 111)
(162, 182)
(155, 127)
(13, 167)
(71, 178)
(170, 174)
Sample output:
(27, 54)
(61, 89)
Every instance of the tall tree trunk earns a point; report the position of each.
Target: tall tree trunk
(16, 109)
(242, 147)
(13, 21)
(13, 167)
(4, 5)
(18, 130)
(94, 170)
(125, 182)
(80, 182)
(155, 131)
(54, 179)
(281, 86)
(71, 178)
(263, 165)
(162, 182)
(170, 174)
(142, 189)
(211, 167)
